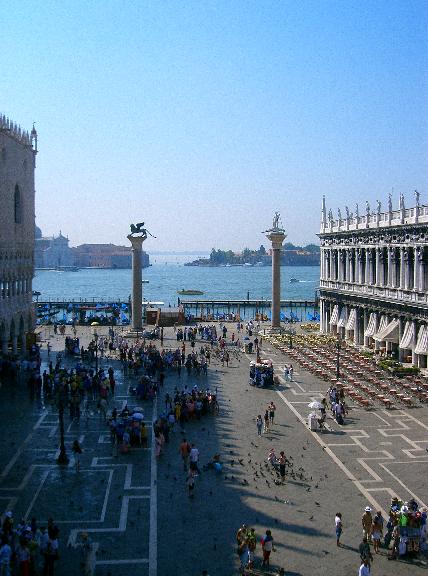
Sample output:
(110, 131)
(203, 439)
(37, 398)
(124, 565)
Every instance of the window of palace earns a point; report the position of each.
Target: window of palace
(18, 205)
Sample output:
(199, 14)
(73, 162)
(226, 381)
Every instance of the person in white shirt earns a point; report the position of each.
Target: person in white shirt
(194, 458)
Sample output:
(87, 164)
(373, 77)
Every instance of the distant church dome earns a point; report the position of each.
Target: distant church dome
(37, 232)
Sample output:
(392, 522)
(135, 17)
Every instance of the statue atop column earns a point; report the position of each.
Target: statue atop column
(137, 236)
(138, 231)
(276, 235)
(276, 226)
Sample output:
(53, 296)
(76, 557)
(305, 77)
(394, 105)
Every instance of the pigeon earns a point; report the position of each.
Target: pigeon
(303, 447)
(317, 503)
(308, 489)
(311, 518)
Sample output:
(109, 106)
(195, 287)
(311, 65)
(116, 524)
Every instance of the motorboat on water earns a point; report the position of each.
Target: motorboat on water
(294, 280)
(184, 292)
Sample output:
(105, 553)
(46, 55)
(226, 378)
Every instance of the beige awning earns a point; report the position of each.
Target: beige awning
(408, 339)
(334, 315)
(350, 325)
(389, 333)
(371, 326)
(422, 343)
(342, 319)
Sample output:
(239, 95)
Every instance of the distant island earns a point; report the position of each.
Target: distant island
(291, 255)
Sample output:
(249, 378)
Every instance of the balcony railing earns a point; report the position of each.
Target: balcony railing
(376, 291)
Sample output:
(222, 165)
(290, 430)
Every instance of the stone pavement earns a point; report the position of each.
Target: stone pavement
(139, 512)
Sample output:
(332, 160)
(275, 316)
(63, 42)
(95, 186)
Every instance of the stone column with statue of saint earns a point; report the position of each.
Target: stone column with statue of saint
(276, 235)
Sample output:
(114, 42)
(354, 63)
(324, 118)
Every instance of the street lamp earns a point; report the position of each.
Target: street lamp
(62, 458)
(338, 348)
(290, 332)
(96, 350)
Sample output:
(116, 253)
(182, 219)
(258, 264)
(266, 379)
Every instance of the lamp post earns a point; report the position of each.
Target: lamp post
(96, 350)
(291, 332)
(62, 458)
(338, 348)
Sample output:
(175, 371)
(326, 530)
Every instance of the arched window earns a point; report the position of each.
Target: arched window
(18, 205)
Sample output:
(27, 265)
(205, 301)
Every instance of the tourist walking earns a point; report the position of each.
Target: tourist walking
(339, 527)
(266, 422)
(185, 451)
(5, 556)
(191, 483)
(367, 523)
(267, 547)
(259, 424)
(281, 460)
(364, 569)
(377, 529)
(286, 373)
(77, 451)
(272, 409)
(251, 545)
(194, 459)
(242, 549)
(365, 552)
(291, 372)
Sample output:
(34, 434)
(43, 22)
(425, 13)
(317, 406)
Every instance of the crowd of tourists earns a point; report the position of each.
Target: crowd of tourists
(33, 549)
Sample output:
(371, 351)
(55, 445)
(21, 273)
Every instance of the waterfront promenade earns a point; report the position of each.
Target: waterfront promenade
(137, 510)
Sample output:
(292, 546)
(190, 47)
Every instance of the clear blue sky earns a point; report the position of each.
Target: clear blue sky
(202, 118)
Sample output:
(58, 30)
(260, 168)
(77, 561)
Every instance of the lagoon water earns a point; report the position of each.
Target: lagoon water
(167, 275)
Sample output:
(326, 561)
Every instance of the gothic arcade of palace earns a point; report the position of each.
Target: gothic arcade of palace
(18, 151)
(374, 280)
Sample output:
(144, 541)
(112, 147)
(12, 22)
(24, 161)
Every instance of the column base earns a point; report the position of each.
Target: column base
(272, 331)
(133, 333)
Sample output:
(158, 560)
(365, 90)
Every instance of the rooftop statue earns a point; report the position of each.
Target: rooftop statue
(417, 196)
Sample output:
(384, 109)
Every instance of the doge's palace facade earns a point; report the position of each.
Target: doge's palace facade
(374, 278)
(18, 151)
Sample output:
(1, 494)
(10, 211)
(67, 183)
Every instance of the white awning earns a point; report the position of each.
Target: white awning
(389, 333)
(371, 326)
(422, 343)
(382, 325)
(334, 315)
(407, 341)
(342, 319)
(350, 325)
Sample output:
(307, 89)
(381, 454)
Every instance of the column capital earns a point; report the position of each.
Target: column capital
(137, 241)
(277, 237)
